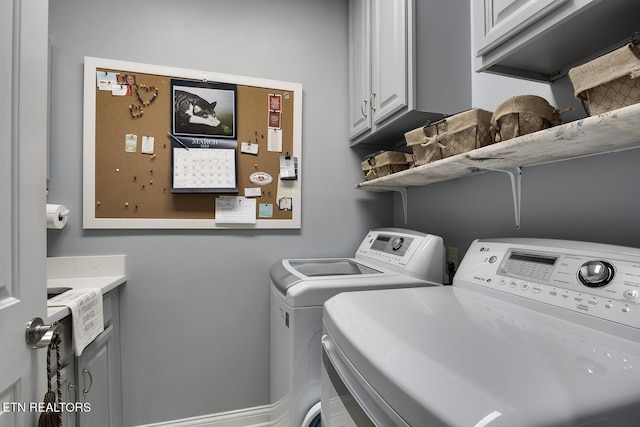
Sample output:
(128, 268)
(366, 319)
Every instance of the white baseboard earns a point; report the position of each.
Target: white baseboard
(258, 416)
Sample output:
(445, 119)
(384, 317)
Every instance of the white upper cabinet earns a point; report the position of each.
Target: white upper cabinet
(409, 63)
(542, 39)
(388, 58)
(504, 18)
(359, 66)
(378, 61)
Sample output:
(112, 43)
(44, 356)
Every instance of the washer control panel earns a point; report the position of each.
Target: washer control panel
(594, 279)
(389, 246)
(410, 252)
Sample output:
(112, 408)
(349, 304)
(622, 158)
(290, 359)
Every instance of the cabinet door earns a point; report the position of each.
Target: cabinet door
(359, 67)
(500, 19)
(389, 57)
(97, 383)
(69, 392)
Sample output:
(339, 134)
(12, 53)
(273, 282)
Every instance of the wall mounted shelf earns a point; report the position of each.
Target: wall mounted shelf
(613, 131)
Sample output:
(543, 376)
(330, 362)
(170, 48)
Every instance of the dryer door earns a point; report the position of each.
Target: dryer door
(347, 400)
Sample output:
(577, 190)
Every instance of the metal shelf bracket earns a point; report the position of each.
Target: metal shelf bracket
(403, 192)
(515, 176)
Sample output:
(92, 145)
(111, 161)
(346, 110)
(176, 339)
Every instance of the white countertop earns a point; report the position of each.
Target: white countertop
(83, 272)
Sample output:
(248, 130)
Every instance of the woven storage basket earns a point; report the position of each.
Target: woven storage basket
(457, 134)
(422, 142)
(389, 162)
(367, 168)
(523, 114)
(466, 131)
(611, 81)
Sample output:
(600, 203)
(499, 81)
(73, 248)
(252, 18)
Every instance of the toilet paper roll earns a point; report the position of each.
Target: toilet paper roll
(56, 216)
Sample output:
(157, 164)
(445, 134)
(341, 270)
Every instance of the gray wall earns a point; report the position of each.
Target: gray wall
(195, 309)
(589, 199)
(194, 312)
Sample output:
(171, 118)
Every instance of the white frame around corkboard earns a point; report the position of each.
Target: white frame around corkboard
(91, 221)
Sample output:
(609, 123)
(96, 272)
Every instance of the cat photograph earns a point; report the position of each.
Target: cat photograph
(203, 109)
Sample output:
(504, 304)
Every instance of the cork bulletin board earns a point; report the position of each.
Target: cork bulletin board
(166, 147)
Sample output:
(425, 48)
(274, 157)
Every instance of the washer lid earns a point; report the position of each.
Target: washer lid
(342, 275)
(459, 358)
(286, 273)
(330, 267)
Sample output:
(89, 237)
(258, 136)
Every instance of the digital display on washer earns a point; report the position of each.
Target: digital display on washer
(395, 245)
(531, 266)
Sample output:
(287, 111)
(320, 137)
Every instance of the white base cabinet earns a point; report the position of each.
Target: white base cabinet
(99, 382)
(408, 65)
(94, 378)
(68, 381)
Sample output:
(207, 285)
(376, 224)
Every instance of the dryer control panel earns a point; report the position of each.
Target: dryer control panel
(594, 279)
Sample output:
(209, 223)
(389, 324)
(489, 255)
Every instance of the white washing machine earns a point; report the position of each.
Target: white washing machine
(386, 258)
(532, 333)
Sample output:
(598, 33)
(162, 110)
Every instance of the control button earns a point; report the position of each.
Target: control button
(513, 283)
(626, 310)
(524, 286)
(607, 305)
(553, 293)
(596, 274)
(537, 289)
(396, 243)
(493, 259)
(630, 294)
(503, 281)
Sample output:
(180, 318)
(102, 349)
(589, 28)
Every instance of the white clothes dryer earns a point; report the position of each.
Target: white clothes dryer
(533, 332)
(386, 258)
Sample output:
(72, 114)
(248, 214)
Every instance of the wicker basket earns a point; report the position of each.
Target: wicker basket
(466, 131)
(386, 163)
(521, 115)
(454, 135)
(367, 168)
(609, 82)
(423, 144)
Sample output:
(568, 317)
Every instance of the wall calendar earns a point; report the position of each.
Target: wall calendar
(204, 166)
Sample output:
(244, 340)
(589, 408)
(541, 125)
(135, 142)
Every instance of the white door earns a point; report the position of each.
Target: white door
(389, 58)
(23, 132)
(359, 67)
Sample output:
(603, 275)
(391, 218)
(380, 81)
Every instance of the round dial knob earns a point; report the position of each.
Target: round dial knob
(397, 243)
(595, 274)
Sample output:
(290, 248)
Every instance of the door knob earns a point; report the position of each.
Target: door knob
(39, 335)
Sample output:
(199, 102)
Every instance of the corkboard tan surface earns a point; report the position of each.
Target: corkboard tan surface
(137, 185)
